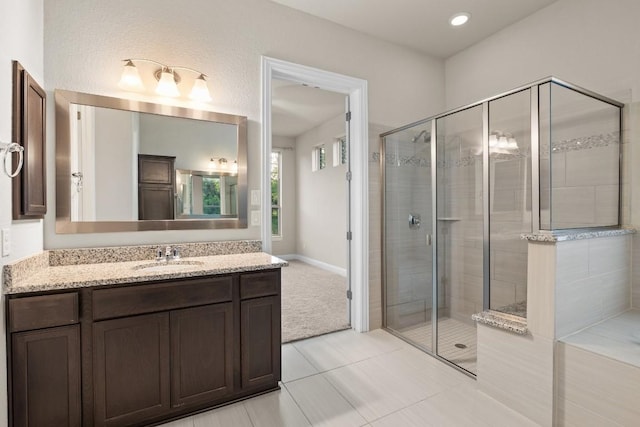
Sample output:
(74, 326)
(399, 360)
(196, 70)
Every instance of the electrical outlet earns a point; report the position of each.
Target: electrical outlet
(255, 197)
(255, 218)
(6, 242)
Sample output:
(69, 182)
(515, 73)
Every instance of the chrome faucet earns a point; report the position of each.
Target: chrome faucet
(170, 254)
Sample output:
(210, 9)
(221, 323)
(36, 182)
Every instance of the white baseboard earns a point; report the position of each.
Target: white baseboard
(322, 265)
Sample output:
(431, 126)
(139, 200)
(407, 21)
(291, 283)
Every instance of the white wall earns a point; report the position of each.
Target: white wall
(21, 39)
(192, 142)
(591, 43)
(321, 197)
(86, 40)
(286, 244)
(115, 189)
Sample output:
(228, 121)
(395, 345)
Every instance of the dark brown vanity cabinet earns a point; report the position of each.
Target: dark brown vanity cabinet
(146, 366)
(44, 360)
(260, 326)
(131, 369)
(156, 187)
(201, 354)
(150, 351)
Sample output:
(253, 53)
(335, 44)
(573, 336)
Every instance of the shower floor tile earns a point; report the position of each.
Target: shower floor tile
(451, 332)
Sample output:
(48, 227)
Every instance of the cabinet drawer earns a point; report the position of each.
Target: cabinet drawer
(148, 298)
(261, 284)
(43, 311)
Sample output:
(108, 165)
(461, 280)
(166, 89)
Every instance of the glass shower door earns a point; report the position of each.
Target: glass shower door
(460, 242)
(408, 263)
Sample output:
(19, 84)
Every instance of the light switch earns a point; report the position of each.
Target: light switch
(6, 242)
(255, 198)
(255, 217)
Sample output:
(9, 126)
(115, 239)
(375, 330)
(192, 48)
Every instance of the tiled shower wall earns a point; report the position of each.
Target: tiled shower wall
(581, 137)
(593, 281)
(408, 257)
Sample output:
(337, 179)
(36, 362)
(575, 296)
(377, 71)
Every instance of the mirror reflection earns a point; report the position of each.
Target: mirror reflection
(109, 180)
(125, 165)
(203, 194)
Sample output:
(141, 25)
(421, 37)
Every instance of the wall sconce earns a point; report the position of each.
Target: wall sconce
(167, 78)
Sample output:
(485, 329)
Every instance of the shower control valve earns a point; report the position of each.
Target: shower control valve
(414, 221)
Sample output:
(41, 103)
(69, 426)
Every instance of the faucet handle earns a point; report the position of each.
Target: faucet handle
(159, 255)
(176, 252)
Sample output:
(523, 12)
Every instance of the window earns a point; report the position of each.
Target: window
(276, 179)
(210, 196)
(340, 151)
(318, 158)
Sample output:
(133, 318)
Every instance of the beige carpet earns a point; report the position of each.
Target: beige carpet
(314, 301)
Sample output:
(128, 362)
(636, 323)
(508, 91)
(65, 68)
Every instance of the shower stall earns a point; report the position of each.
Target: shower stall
(460, 189)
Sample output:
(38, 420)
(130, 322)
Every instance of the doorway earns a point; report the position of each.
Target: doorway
(356, 89)
(309, 206)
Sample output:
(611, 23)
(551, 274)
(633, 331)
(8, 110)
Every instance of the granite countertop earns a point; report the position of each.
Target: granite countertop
(44, 277)
(511, 323)
(577, 234)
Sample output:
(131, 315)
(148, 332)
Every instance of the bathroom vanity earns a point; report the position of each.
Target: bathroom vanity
(132, 343)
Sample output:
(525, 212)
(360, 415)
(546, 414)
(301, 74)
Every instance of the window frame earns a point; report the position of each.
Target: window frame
(278, 206)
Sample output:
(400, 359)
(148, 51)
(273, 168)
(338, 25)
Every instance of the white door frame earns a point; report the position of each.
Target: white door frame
(359, 149)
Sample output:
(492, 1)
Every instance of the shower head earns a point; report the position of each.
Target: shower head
(423, 133)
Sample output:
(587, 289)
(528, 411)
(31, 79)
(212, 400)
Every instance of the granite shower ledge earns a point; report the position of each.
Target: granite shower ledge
(563, 236)
(502, 321)
(100, 274)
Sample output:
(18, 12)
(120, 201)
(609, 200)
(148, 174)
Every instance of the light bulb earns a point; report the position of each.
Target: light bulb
(502, 142)
(511, 143)
(200, 91)
(493, 140)
(130, 79)
(167, 84)
(212, 163)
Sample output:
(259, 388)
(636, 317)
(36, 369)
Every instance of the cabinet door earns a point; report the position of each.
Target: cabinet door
(30, 189)
(131, 369)
(260, 341)
(201, 354)
(155, 169)
(46, 377)
(155, 201)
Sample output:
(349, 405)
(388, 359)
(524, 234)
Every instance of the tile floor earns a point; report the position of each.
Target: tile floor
(372, 379)
(450, 332)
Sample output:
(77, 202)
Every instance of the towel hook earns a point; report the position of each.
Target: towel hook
(8, 148)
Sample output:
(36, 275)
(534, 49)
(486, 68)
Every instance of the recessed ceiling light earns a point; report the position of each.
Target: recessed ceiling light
(459, 19)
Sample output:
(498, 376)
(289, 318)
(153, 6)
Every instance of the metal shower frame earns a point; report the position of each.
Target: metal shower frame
(533, 87)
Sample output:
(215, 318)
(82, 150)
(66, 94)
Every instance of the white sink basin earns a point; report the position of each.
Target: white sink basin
(168, 267)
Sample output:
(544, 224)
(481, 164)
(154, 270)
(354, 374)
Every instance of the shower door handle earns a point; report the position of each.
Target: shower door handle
(428, 238)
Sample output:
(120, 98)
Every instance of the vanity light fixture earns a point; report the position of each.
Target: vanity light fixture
(167, 78)
(459, 19)
(503, 143)
(220, 163)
